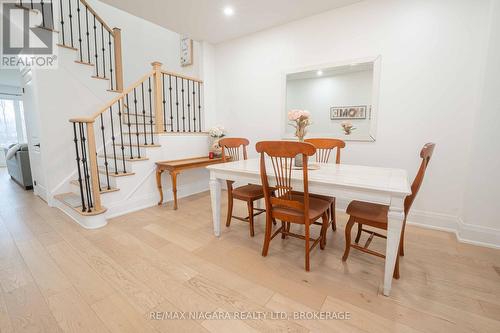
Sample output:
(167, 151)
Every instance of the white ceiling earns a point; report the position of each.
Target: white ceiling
(332, 71)
(204, 19)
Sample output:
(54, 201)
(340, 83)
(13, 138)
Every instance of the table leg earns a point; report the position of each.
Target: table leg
(215, 193)
(173, 175)
(394, 227)
(158, 184)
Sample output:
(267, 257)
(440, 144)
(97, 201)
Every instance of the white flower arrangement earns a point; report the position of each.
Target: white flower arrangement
(217, 132)
(299, 119)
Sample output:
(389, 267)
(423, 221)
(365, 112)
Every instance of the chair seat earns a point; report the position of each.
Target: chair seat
(368, 211)
(317, 207)
(248, 192)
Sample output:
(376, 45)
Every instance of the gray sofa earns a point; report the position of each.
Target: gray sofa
(19, 167)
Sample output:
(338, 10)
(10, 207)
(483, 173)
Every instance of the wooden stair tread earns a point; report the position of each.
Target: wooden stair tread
(129, 159)
(148, 124)
(84, 63)
(141, 145)
(67, 47)
(104, 187)
(74, 201)
(111, 172)
(132, 115)
(142, 132)
(99, 77)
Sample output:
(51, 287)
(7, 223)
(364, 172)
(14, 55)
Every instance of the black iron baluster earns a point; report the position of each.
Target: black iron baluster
(113, 137)
(62, 21)
(52, 17)
(183, 115)
(136, 125)
(103, 52)
(98, 173)
(177, 100)
(79, 29)
(151, 111)
(144, 115)
(71, 23)
(128, 124)
(105, 155)
(121, 134)
(31, 4)
(164, 103)
(171, 109)
(43, 13)
(95, 48)
(86, 175)
(189, 107)
(199, 107)
(87, 33)
(78, 167)
(194, 109)
(110, 60)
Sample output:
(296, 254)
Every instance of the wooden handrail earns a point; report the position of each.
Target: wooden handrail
(82, 120)
(86, 4)
(182, 76)
(119, 97)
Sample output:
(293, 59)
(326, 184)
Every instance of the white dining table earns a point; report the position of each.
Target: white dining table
(348, 182)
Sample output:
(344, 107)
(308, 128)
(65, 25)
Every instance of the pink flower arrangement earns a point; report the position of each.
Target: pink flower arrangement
(300, 120)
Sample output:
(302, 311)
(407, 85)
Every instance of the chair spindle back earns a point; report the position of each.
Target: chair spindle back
(282, 155)
(234, 148)
(324, 147)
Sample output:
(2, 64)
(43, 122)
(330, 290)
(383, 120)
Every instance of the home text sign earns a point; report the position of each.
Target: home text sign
(348, 112)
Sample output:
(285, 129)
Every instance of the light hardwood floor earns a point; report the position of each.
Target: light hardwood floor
(56, 276)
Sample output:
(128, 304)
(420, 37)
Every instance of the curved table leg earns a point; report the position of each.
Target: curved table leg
(158, 184)
(173, 174)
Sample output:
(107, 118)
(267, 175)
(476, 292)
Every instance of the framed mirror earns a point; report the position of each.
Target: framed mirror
(342, 99)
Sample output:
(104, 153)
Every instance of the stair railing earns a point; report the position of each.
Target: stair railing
(80, 28)
(159, 102)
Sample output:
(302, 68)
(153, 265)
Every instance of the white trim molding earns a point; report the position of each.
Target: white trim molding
(464, 232)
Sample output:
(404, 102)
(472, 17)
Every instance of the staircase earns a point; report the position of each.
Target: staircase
(116, 147)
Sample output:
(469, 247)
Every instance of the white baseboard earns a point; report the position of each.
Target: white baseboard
(151, 199)
(465, 233)
(478, 235)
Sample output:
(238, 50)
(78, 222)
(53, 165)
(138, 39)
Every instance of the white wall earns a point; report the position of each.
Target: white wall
(319, 94)
(481, 204)
(144, 42)
(431, 50)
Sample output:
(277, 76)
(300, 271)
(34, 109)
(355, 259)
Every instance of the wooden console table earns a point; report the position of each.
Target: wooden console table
(177, 166)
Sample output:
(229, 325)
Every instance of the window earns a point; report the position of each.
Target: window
(12, 127)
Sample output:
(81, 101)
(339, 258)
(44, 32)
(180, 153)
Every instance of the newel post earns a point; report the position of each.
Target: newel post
(117, 36)
(158, 96)
(94, 177)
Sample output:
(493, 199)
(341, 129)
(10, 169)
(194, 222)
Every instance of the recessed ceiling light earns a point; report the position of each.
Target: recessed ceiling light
(228, 11)
(319, 73)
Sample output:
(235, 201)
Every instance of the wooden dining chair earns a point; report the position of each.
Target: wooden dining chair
(286, 204)
(324, 148)
(375, 215)
(234, 149)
